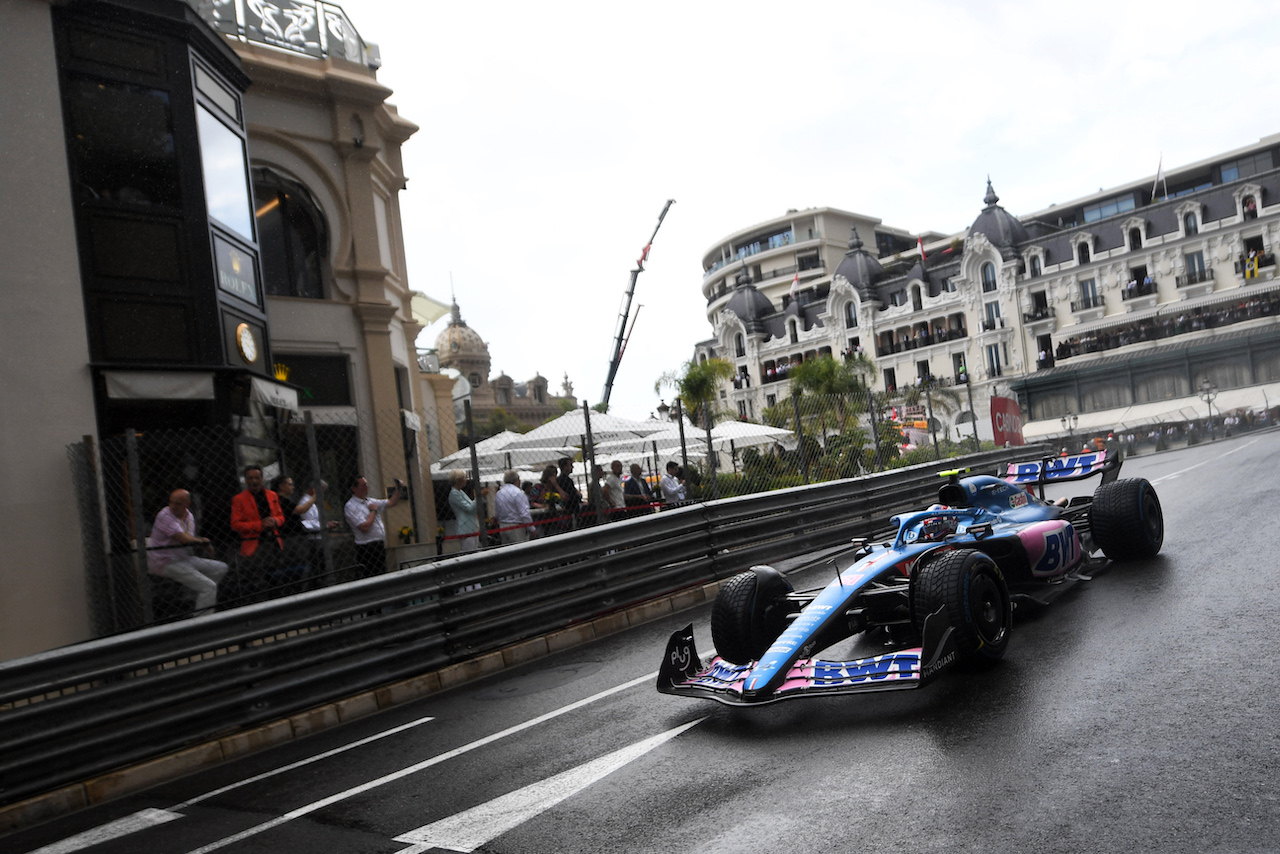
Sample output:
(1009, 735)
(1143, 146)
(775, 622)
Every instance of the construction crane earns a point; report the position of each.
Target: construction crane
(623, 334)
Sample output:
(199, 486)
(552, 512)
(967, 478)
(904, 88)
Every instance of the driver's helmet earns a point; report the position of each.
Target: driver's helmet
(937, 528)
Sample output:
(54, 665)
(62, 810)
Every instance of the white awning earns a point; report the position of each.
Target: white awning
(159, 385)
(273, 394)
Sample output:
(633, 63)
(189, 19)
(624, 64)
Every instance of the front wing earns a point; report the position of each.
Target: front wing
(684, 674)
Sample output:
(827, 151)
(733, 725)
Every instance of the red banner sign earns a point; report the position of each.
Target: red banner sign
(1006, 421)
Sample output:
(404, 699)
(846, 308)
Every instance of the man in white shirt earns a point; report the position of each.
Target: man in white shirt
(512, 508)
(364, 516)
(614, 497)
(671, 485)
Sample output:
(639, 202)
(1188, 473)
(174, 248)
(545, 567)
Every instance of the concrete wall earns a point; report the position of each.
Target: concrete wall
(46, 397)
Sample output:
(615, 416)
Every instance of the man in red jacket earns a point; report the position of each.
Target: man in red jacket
(257, 518)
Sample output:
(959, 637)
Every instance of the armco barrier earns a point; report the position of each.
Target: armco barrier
(82, 710)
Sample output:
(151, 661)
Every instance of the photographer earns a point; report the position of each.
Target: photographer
(364, 516)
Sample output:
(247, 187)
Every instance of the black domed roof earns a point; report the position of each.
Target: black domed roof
(751, 306)
(1000, 227)
(860, 267)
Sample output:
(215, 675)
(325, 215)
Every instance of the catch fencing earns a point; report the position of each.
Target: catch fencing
(124, 480)
(71, 713)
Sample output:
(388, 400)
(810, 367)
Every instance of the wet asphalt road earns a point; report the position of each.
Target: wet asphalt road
(1138, 713)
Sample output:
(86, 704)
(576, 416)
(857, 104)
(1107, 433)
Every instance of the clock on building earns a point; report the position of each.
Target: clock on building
(247, 343)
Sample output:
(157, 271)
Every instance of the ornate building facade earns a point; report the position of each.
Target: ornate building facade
(1106, 308)
(461, 348)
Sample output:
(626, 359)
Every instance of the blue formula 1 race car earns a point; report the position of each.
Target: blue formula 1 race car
(939, 594)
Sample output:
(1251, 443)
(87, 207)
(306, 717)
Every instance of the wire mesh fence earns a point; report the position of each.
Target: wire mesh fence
(309, 524)
(176, 522)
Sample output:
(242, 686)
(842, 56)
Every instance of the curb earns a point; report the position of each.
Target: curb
(135, 778)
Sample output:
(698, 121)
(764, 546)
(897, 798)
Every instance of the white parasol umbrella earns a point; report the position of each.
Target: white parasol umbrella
(567, 430)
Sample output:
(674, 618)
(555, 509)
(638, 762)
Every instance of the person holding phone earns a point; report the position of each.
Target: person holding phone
(364, 516)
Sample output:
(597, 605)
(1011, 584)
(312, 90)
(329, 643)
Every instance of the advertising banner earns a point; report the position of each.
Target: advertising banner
(1006, 421)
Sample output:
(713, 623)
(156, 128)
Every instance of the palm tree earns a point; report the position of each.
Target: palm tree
(697, 385)
(833, 380)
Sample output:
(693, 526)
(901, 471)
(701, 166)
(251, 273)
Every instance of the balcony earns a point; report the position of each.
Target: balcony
(1140, 297)
(1261, 266)
(1196, 283)
(777, 241)
(1088, 308)
(1040, 321)
(991, 324)
(304, 35)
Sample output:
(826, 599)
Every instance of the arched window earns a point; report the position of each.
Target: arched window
(794, 332)
(292, 236)
(1082, 253)
(740, 345)
(988, 277)
(1035, 265)
(850, 316)
(1192, 223)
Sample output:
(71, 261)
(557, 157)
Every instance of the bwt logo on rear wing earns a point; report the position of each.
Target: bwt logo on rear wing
(1077, 467)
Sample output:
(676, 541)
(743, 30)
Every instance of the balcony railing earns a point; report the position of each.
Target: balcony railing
(990, 324)
(757, 248)
(1037, 315)
(308, 27)
(1086, 303)
(1143, 289)
(1195, 277)
(1243, 267)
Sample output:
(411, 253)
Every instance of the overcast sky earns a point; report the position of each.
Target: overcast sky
(551, 135)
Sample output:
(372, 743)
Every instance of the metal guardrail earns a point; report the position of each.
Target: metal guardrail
(78, 711)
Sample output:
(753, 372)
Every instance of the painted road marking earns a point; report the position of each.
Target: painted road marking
(152, 817)
(140, 820)
(419, 766)
(466, 831)
(1181, 472)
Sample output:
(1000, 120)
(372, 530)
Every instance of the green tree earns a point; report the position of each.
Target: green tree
(697, 384)
(840, 387)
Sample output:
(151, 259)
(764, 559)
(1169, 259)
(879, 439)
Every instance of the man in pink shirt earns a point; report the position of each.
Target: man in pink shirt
(176, 527)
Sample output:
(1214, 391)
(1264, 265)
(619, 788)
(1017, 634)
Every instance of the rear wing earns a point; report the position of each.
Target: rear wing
(1058, 469)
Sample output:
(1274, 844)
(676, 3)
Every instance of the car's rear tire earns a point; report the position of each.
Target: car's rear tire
(1126, 521)
(749, 613)
(972, 590)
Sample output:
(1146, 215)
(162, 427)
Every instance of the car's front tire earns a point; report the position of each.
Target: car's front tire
(972, 590)
(749, 613)
(1126, 521)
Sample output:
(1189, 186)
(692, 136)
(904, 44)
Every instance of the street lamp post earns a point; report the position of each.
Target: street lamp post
(1209, 391)
(1069, 422)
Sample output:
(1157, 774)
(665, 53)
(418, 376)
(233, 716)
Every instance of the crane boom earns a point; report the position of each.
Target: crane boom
(621, 335)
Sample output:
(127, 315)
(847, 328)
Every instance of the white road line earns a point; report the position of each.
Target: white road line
(111, 830)
(419, 766)
(1181, 472)
(466, 831)
(152, 817)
